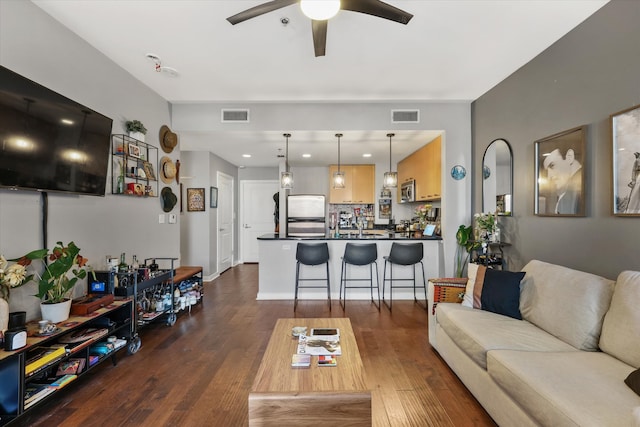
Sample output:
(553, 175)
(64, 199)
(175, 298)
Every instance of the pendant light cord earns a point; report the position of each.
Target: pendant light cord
(390, 135)
(338, 135)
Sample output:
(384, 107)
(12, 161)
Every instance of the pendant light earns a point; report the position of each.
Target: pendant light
(320, 10)
(390, 178)
(286, 177)
(338, 177)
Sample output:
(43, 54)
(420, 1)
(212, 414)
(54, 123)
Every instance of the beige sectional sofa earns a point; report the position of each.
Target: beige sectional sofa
(563, 364)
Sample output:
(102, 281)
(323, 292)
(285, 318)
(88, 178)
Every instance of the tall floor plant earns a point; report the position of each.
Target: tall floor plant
(465, 245)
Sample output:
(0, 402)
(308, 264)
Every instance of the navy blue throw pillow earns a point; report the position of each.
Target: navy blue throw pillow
(501, 292)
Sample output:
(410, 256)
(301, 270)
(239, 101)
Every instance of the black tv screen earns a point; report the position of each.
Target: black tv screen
(49, 142)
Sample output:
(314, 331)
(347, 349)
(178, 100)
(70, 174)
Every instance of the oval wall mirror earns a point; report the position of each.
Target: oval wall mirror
(497, 178)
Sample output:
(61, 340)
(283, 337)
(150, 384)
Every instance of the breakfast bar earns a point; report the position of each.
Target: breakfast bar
(277, 264)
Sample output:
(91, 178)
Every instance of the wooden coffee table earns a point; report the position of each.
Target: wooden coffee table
(285, 396)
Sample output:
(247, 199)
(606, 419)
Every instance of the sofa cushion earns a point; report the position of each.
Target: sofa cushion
(633, 381)
(501, 292)
(620, 336)
(478, 331)
(567, 303)
(475, 273)
(566, 388)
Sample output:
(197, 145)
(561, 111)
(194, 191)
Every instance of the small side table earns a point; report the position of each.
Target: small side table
(447, 289)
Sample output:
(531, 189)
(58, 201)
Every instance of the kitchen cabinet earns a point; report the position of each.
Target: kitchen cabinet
(424, 166)
(359, 185)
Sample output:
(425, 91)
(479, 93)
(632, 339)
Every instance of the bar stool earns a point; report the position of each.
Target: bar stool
(312, 254)
(359, 254)
(406, 255)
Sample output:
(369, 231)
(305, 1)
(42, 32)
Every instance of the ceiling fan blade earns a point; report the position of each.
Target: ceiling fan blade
(319, 29)
(261, 9)
(377, 8)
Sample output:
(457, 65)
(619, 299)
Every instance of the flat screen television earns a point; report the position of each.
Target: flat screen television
(49, 142)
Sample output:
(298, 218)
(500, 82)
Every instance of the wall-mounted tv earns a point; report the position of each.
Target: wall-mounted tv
(49, 142)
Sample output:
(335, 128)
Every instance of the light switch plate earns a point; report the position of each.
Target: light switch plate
(172, 219)
(161, 219)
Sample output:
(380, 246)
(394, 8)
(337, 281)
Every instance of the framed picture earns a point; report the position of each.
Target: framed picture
(213, 197)
(559, 165)
(384, 208)
(625, 136)
(195, 199)
(134, 151)
(148, 170)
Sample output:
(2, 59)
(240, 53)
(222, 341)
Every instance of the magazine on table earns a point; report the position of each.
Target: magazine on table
(321, 344)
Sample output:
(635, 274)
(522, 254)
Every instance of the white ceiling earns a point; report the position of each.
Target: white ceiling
(451, 50)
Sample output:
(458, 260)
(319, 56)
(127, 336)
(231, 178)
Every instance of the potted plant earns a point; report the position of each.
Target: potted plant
(465, 245)
(56, 282)
(136, 129)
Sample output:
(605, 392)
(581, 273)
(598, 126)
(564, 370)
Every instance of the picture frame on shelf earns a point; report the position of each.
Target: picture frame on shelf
(134, 150)
(560, 177)
(625, 144)
(213, 197)
(148, 171)
(195, 199)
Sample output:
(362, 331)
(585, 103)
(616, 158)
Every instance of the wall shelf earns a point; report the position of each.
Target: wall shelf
(134, 167)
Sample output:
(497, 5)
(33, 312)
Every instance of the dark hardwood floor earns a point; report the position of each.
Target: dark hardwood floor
(199, 372)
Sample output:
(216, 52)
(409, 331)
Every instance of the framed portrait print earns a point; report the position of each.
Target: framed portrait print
(559, 167)
(625, 137)
(195, 199)
(134, 151)
(213, 197)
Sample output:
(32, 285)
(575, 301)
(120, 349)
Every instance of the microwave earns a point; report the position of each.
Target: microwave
(408, 191)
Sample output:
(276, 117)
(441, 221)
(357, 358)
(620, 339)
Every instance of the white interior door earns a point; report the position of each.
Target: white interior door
(225, 222)
(256, 213)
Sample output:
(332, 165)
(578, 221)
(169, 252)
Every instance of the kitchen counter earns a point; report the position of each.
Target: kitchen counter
(277, 265)
(354, 236)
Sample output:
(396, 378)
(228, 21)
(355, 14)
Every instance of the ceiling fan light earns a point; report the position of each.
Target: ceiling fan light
(320, 10)
(286, 180)
(390, 179)
(338, 180)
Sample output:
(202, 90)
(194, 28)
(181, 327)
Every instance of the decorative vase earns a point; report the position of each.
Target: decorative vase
(56, 312)
(4, 315)
(137, 135)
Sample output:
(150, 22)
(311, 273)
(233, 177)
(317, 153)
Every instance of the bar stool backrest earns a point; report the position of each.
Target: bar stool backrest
(360, 254)
(406, 254)
(312, 253)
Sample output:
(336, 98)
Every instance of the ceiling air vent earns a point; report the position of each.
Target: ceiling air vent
(235, 116)
(405, 116)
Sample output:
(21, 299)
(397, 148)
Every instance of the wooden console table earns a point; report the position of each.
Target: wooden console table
(285, 396)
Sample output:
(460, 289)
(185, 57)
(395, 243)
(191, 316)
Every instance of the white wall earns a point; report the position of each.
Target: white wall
(38, 47)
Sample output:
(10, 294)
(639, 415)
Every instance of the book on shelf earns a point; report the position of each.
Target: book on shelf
(300, 360)
(93, 359)
(84, 334)
(36, 392)
(71, 366)
(63, 380)
(41, 356)
(319, 345)
(327, 360)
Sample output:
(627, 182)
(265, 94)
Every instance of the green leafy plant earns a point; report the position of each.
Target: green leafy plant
(465, 245)
(60, 274)
(135, 126)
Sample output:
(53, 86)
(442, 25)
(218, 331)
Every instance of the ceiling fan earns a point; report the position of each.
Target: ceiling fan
(319, 22)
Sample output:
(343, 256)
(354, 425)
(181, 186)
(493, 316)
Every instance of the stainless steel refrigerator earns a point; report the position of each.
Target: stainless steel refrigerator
(306, 215)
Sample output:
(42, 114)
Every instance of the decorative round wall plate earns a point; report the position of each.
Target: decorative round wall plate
(458, 172)
(486, 172)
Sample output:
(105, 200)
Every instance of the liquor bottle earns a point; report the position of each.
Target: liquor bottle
(122, 267)
(153, 266)
(135, 263)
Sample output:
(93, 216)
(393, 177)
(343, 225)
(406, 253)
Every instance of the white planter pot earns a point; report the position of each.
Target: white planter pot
(56, 313)
(4, 315)
(137, 135)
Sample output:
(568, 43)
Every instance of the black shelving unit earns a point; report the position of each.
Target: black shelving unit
(134, 167)
(116, 319)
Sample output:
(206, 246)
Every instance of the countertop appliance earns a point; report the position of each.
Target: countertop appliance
(306, 215)
(408, 191)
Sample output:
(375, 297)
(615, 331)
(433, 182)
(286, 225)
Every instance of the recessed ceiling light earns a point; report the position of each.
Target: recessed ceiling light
(366, 155)
(306, 155)
(246, 155)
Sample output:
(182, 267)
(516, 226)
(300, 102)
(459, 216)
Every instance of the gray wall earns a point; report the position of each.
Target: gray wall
(38, 47)
(587, 75)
